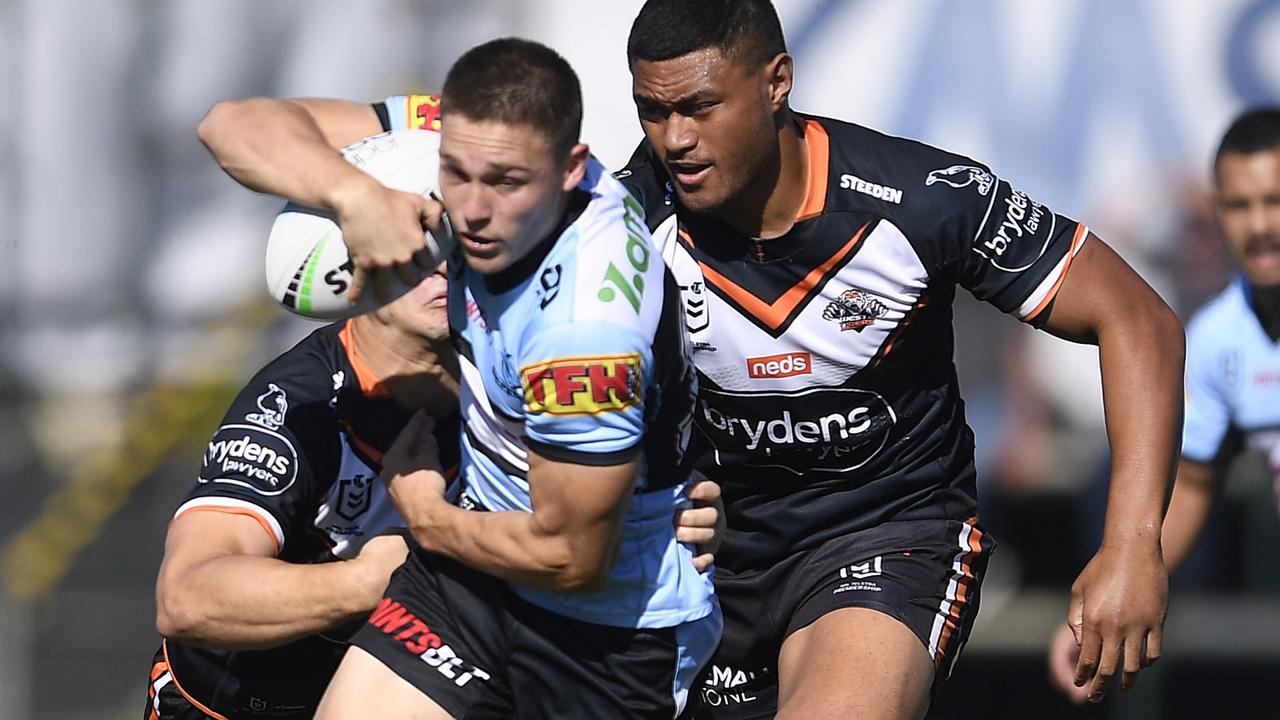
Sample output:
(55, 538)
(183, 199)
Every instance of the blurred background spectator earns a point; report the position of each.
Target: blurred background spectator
(134, 299)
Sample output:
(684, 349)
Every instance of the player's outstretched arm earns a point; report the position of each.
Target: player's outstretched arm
(1195, 488)
(1119, 601)
(567, 544)
(289, 147)
(221, 586)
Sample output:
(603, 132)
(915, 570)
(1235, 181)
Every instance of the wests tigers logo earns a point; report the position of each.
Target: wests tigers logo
(854, 310)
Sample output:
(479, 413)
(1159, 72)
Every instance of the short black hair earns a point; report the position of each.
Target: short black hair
(518, 82)
(746, 30)
(1255, 130)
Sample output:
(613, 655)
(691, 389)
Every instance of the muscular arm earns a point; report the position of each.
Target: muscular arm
(567, 544)
(221, 586)
(289, 148)
(1120, 598)
(1195, 488)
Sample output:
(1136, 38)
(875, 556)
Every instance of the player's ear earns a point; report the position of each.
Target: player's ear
(778, 75)
(576, 167)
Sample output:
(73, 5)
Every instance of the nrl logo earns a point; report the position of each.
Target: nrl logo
(354, 496)
(959, 176)
(854, 310)
(273, 405)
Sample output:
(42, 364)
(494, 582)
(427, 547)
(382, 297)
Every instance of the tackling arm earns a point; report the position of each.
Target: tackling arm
(221, 586)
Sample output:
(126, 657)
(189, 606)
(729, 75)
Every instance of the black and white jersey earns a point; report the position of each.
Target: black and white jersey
(828, 399)
(298, 451)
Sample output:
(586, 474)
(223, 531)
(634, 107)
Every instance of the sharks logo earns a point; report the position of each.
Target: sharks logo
(960, 176)
(506, 377)
(274, 404)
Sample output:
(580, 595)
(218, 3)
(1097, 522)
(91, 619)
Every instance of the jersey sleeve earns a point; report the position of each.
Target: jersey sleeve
(268, 458)
(409, 112)
(1207, 419)
(999, 243)
(583, 386)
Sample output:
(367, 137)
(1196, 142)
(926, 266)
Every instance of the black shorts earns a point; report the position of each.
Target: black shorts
(925, 573)
(165, 701)
(479, 651)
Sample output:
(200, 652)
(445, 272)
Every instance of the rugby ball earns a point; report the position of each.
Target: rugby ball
(308, 268)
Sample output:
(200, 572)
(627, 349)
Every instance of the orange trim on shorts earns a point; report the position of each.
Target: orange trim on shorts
(1076, 241)
(819, 147)
(962, 587)
(370, 384)
(774, 314)
(161, 667)
(236, 511)
(164, 647)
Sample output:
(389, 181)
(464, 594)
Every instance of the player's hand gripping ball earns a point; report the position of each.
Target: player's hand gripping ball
(308, 268)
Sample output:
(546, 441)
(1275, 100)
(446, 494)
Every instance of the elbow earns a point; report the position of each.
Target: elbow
(212, 127)
(177, 617)
(1145, 324)
(217, 129)
(582, 579)
(575, 571)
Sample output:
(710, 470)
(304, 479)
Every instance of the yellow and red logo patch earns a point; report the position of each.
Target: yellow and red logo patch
(424, 112)
(584, 385)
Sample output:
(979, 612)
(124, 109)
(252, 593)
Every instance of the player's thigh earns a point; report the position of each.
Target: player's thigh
(364, 687)
(561, 668)
(854, 662)
(439, 629)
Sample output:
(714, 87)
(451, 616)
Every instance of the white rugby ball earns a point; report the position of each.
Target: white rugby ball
(308, 268)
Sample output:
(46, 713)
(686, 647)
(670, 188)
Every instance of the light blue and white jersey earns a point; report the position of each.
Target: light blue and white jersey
(1233, 381)
(577, 353)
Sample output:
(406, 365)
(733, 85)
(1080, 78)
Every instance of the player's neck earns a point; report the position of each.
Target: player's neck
(768, 208)
(418, 372)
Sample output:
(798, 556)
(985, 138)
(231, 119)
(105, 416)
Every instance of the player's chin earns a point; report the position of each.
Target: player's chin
(703, 198)
(487, 263)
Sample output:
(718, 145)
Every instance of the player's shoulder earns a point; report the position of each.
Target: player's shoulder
(604, 265)
(307, 374)
(280, 421)
(905, 180)
(1219, 319)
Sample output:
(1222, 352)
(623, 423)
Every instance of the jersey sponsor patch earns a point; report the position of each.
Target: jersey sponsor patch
(251, 456)
(780, 366)
(1012, 239)
(786, 430)
(585, 385)
(423, 112)
(875, 190)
